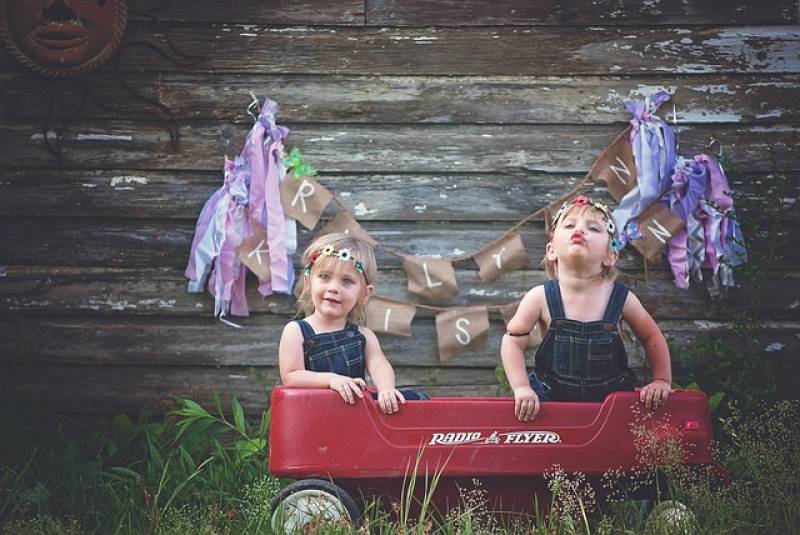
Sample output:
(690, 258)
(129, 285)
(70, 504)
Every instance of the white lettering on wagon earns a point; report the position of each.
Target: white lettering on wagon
(476, 437)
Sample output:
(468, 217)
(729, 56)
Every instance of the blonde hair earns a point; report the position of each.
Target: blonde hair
(551, 266)
(360, 250)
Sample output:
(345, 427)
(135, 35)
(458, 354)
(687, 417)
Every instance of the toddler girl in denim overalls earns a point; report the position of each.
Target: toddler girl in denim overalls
(581, 357)
(328, 349)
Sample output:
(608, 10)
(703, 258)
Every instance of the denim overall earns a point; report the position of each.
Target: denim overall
(581, 361)
(340, 352)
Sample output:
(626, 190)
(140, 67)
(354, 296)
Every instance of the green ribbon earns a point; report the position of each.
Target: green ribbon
(294, 161)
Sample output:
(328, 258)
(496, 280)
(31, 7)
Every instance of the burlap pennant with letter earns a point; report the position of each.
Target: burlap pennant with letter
(658, 225)
(304, 199)
(433, 278)
(461, 329)
(344, 222)
(254, 252)
(391, 317)
(508, 311)
(616, 166)
(501, 256)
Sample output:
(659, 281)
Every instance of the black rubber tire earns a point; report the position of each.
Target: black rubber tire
(327, 489)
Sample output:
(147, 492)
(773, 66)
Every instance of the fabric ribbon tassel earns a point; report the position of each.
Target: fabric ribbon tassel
(653, 143)
(250, 193)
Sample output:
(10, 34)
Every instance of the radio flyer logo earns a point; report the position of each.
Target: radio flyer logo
(477, 437)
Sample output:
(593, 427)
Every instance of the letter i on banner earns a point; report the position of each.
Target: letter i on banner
(430, 277)
(304, 199)
(344, 222)
(391, 317)
(461, 329)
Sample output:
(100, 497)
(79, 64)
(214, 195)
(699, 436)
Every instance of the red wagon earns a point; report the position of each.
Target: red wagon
(342, 455)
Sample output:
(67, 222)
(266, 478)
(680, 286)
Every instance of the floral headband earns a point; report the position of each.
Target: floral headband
(583, 200)
(344, 255)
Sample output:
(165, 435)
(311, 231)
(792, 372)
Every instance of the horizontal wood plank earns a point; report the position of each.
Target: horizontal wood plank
(131, 243)
(162, 292)
(380, 149)
(532, 51)
(149, 194)
(698, 99)
(111, 389)
(198, 342)
(307, 12)
(554, 12)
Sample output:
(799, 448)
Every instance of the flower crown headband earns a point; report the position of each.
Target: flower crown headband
(343, 255)
(611, 227)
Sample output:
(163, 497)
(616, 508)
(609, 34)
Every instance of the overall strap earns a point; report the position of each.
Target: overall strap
(307, 330)
(552, 293)
(615, 303)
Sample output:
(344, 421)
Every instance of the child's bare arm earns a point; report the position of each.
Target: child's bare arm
(382, 374)
(294, 373)
(655, 347)
(512, 353)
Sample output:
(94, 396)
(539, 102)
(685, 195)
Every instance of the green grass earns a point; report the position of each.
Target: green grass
(201, 471)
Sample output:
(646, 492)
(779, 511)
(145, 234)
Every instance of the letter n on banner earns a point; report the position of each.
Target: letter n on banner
(461, 329)
(254, 252)
(658, 225)
(391, 317)
(616, 166)
(344, 222)
(304, 199)
(430, 277)
(501, 256)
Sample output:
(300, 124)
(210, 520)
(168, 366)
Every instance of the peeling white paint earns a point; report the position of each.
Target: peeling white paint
(89, 186)
(248, 35)
(324, 138)
(104, 137)
(458, 252)
(127, 179)
(713, 89)
(483, 293)
(794, 305)
(419, 208)
(361, 209)
(773, 113)
(443, 195)
(345, 193)
(232, 376)
(705, 325)
(425, 38)
(774, 346)
(50, 135)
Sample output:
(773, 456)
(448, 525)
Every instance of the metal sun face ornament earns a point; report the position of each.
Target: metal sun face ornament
(62, 38)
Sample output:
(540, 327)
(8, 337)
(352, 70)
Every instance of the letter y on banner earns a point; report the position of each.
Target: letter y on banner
(501, 256)
(461, 329)
(304, 199)
(391, 317)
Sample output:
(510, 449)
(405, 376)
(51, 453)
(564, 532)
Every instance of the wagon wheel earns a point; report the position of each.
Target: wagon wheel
(672, 515)
(312, 501)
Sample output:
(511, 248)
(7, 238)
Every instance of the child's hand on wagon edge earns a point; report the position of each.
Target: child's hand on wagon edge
(388, 399)
(348, 388)
(654, 394)
(526, 403)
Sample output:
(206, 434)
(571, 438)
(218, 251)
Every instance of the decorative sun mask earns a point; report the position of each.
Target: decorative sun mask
(62, 38)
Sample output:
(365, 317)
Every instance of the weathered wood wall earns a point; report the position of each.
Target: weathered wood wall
(439, 124)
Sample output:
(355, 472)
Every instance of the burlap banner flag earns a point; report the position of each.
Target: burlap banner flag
(254, 252)
(616, 166)
(657, 224)
(501, 256)
(433, 278)
(461, 329)
(304, 199)
(508, 311)
(391, 317)
(344, 222)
